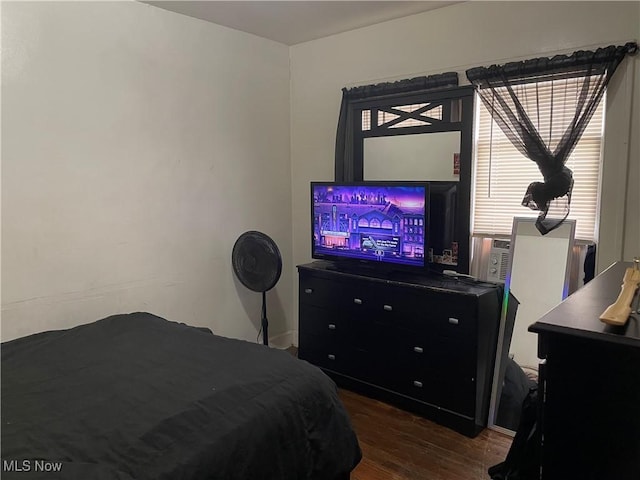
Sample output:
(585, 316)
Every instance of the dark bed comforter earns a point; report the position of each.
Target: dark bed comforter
(139, 397)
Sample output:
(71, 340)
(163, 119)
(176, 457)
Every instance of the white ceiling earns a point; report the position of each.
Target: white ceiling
(292, 22)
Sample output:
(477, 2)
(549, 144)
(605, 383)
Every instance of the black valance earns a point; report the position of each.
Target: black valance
(344, 133)
(577, 64)
(449, 79)
(500, 91)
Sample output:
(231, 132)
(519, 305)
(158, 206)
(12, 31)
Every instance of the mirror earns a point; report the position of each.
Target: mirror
(425, 156)
(428, 156)
(537, 280)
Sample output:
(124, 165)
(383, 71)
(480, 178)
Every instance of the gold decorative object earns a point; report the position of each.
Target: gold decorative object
(618, 313)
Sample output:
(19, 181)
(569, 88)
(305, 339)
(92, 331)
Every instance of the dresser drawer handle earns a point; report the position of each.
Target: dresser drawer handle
(332, 326)
(357, 301)
(388, 308)
(331, 356)
(418, 384)
(418, 349)
(453, 321)
(308, 290)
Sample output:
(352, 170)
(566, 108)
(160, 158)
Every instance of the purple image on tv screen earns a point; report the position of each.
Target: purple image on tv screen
(385, 223)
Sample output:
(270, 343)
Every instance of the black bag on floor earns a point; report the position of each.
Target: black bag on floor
(523, 459)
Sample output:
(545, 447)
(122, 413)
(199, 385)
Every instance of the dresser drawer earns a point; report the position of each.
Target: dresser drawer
(358, 329)
(337, 294)
(433, 351)
(337, 325)
(318, 291)
(316, 351)
(340, 358)
(441, 313)
(455, 394)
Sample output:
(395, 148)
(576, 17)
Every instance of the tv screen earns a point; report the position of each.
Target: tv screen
(385, 223)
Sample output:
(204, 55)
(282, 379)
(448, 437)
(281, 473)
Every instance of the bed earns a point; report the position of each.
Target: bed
(135, 397)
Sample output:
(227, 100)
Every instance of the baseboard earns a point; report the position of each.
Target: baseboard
(284, 340)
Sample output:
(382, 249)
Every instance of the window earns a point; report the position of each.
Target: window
(502, 174)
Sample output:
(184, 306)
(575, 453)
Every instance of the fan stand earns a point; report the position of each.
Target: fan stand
(265, 322)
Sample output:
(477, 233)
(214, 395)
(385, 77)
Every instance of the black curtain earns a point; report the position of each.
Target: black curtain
(344, 166)
(519, 120)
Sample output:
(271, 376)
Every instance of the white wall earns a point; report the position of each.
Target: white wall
(456, 38)
(134, 153)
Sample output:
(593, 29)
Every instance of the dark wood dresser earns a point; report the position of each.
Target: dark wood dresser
(590, 386)
(424, 344)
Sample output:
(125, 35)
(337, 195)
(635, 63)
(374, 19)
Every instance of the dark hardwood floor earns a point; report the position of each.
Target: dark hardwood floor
(398, 445)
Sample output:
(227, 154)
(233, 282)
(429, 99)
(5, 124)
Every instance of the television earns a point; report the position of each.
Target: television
(384, 225)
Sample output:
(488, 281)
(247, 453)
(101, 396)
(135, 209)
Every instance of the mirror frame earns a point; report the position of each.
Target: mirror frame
(509, 311)
(457, 115)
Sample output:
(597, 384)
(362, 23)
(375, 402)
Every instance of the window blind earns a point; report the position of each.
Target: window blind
(502, 174)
